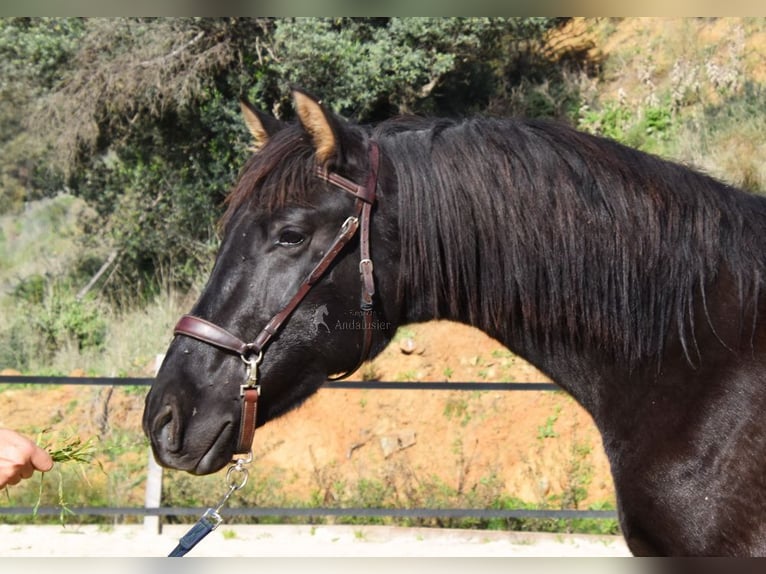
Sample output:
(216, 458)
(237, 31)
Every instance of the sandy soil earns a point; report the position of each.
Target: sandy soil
(530, 445)
(299, 541)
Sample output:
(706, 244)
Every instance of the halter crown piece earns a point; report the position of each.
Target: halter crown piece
(252, 353)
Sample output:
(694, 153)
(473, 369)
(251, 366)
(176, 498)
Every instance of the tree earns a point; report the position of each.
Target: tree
(146, 125)
(34, 52)
(371, 68)
(143, 114)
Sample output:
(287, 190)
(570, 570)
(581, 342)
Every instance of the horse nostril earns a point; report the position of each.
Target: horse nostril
(167, 429)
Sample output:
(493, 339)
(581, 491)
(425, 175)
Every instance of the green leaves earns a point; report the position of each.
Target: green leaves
(139, 116)
(397, 63)
(34, 52)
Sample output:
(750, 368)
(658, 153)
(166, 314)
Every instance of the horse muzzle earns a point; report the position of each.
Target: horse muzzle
(183, 441)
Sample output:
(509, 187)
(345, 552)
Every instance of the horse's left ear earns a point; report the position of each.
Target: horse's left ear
(319, 124)
(260, 125)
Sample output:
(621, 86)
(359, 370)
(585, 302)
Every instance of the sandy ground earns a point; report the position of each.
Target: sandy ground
(299, 541)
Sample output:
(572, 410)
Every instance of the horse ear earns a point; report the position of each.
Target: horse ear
(261, 126)
(319, 124)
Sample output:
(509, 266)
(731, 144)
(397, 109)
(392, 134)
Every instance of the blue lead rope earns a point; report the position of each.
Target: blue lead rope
(211, 519)
(204, 526)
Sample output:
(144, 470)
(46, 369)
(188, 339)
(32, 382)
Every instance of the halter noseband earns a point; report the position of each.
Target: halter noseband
(252, 353)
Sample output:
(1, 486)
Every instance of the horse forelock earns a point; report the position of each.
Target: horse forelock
(279, 174)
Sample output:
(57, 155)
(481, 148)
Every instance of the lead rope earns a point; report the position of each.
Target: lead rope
(236, 479)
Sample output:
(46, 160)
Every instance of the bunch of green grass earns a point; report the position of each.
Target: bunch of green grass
(71, 450)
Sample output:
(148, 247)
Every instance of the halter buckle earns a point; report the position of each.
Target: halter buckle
(249, 387)
(368, 263)
(351, 221)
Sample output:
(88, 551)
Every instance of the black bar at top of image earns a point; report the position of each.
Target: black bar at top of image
(379, 385)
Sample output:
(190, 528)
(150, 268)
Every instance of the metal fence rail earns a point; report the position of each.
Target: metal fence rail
(378, 385)
(478, 513)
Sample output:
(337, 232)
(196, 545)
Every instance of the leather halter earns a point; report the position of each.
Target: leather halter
(252, 353)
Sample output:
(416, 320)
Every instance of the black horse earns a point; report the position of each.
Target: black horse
(633, 282)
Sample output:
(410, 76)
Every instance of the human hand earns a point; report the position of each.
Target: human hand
(20, 457)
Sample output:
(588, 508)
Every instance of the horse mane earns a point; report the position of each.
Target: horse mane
(539, 233)
(536, 232)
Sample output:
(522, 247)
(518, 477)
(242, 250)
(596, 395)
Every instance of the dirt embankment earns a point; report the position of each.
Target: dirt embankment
(529, 445)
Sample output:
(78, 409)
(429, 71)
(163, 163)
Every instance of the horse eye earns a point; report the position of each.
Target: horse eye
(290, 238)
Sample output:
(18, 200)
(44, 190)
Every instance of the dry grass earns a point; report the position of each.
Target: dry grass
(702, 76)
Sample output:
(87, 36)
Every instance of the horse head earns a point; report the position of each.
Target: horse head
(303, 224)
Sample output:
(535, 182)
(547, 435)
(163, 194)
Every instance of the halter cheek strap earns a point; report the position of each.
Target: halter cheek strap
(252, 353)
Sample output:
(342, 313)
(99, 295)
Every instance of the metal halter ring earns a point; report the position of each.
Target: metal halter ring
(232, 481)
(249, 361)
(243, 461)
(252, 372)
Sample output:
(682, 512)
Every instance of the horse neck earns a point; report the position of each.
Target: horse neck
(520, 242)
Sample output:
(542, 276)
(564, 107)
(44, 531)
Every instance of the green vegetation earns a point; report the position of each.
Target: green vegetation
(139, 116)
(546, 430)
